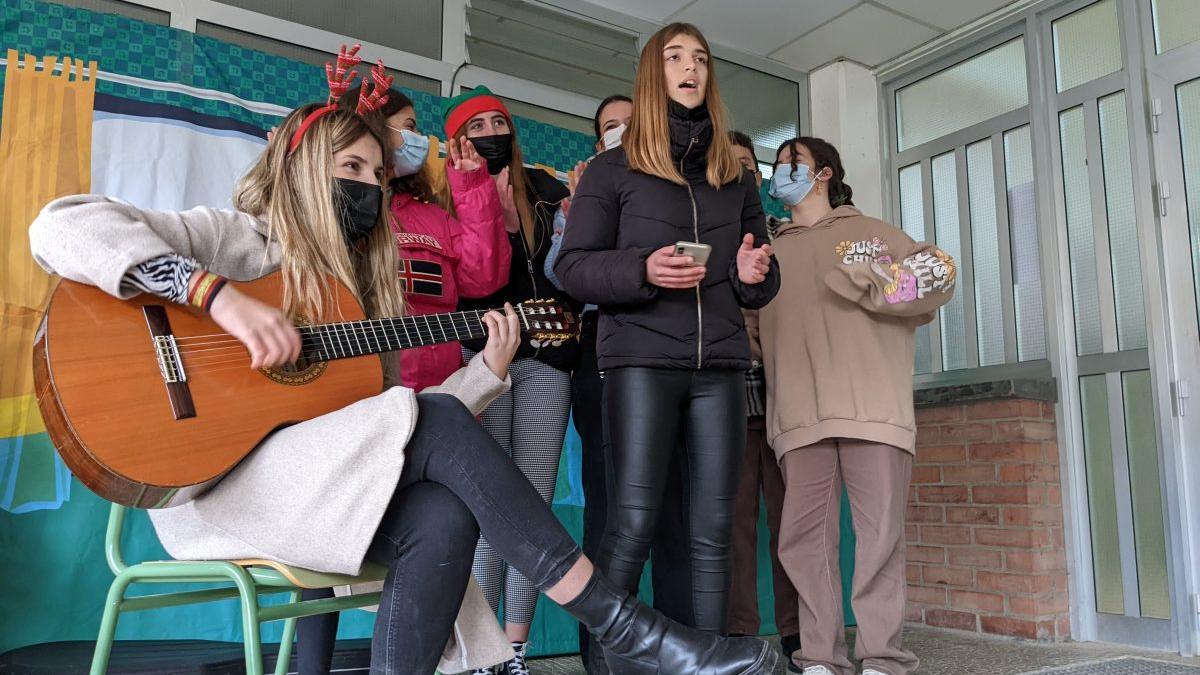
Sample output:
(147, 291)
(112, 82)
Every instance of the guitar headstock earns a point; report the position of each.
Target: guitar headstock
(548, 322)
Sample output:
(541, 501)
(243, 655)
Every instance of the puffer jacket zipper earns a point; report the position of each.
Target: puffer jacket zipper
(696, 234)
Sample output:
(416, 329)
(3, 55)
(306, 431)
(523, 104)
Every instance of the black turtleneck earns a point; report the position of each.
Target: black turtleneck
(691, 134)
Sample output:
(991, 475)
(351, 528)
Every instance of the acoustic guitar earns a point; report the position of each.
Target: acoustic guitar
(149, 403)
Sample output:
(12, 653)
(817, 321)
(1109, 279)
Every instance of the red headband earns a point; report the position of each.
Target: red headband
(340, 78)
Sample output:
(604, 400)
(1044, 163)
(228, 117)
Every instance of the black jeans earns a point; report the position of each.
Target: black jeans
(457, 483)
(647, 410)
(670, 571)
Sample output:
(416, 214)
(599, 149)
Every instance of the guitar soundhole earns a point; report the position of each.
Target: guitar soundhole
(301, 372)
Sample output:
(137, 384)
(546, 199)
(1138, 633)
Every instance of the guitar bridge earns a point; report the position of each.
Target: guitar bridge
(170, 364)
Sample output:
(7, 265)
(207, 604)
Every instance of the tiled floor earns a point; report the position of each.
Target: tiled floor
(956, 653)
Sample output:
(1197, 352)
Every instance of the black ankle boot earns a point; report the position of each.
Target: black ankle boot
(637, 640)
(593, 660)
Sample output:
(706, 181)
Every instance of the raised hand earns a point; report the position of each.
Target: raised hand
(512, 219)
(753, 263)
(464, 156)
(572, 183)
(667, 270)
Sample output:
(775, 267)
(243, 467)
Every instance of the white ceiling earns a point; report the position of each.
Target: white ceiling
(806, 34)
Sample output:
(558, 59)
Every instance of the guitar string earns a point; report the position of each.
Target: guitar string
(458, 320)
(521, 308)
(341, 334)
(315, 344)
(314, 349)
(336, 331)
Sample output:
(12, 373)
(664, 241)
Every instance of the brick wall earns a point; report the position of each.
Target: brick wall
(985, 537)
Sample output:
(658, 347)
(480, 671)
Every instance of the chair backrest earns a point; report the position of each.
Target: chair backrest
(112, 539)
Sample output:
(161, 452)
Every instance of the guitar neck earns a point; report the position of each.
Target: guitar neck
(330, 341)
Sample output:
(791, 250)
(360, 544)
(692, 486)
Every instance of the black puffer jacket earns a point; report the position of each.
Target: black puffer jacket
(619, 217)
(527, 278)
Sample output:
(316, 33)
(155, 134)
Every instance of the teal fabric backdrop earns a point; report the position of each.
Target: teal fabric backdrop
(52, 572)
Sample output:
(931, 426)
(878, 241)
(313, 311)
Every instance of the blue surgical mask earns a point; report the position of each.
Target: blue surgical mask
(791, 187)
(408, 158)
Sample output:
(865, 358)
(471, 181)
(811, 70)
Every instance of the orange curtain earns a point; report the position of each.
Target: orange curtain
(45, 152)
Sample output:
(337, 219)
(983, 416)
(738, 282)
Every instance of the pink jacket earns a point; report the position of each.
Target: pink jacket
(443, 259)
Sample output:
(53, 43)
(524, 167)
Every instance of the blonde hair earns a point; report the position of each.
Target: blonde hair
(293, 194)
(647, 142)
(516, 176)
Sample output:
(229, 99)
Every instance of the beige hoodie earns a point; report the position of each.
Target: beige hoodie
(838, 338)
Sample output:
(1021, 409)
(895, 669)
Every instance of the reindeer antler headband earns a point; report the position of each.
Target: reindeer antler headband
(340, 77)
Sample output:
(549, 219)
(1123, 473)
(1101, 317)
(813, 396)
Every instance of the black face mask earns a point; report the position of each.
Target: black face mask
(357, 204)
(497, 150)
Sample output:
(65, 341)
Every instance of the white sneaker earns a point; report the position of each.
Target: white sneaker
(817, 670)
(872, 671)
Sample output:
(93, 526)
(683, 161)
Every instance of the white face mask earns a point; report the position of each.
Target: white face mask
(612, 137)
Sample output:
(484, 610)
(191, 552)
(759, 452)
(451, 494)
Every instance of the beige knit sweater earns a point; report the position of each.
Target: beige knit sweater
(838, 338)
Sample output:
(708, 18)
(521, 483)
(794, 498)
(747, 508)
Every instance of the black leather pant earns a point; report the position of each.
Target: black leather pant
(670, 571)
(647, 410)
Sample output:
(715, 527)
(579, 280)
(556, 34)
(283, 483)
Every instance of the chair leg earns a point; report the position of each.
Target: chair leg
(108, 625)
(251, 637)
(285, 642)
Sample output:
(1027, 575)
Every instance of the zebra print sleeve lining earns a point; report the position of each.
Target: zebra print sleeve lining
(166, 276)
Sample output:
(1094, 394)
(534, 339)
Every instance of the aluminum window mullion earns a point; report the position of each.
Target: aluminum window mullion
(1121, 484)
(935, 333)
(1097, 88)
(1004, 240)
(966, 272)
(1104, 280)
(944, 144)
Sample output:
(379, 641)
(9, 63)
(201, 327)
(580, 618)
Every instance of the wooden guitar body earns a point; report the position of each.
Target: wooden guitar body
(103, 371)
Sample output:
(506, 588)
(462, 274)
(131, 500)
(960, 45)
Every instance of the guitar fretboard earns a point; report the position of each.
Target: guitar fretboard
(329, 341)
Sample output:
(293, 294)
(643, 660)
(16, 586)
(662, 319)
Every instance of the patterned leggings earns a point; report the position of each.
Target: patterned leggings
(529, 421)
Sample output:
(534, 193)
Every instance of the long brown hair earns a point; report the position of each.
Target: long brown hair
(420, 184)
(516, 176)
(293, 194)
(648, 140)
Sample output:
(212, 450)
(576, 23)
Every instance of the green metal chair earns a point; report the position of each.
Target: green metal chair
(249, 579)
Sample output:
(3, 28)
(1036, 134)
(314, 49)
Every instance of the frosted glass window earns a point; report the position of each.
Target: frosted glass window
(1080, 236)
(1102, 495)
(980, 88)
(123, 8)
(985, 253)
(413, 26)
(1176, 23)
(1146, 495)
(946, 224)
(912, 202)
(1087, 45)
(1023, 235)
(1187, 98)
(912, 221)
(1122, 224)
(765, 107)
(317, 58)
(539, 44)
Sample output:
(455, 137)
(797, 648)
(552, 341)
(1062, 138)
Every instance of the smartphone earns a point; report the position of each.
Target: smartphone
(699, 252)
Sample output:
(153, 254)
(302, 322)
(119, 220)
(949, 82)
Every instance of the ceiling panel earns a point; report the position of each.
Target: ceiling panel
(653, 10)
(867, 34)
(947, 15)
(761, 27)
